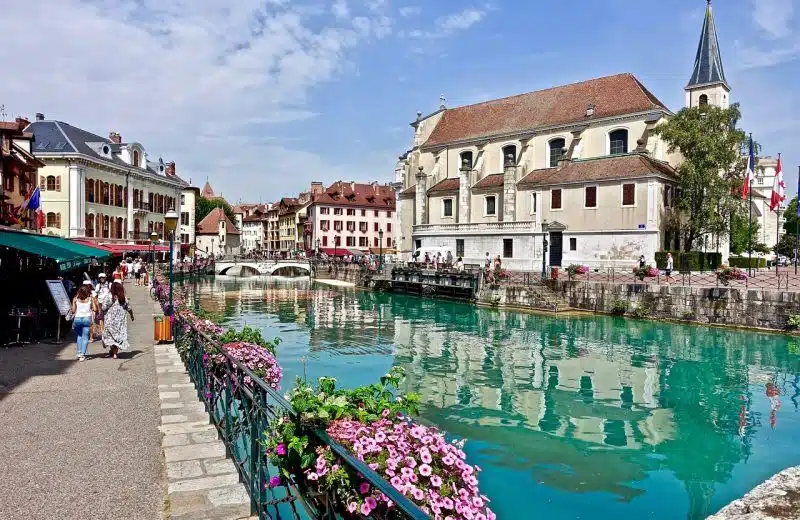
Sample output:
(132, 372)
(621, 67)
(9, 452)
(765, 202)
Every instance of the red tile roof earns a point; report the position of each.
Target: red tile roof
(409, 191)
(611, 167)
(208, 226)
(446, 185)
(490, 181)
(611, 96)
(208, 192)
(372, 195)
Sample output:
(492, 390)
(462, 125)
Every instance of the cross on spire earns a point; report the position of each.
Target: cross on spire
(441, 102)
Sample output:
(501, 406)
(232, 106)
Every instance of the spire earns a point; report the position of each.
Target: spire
(708, 63)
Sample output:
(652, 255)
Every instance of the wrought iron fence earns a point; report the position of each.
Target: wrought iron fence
(759, 279)
(241, 406)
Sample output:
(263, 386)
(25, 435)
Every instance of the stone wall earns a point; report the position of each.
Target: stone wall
(722, 306)
(341, 273)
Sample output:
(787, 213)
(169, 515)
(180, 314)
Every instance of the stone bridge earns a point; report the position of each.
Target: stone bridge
(262, 268)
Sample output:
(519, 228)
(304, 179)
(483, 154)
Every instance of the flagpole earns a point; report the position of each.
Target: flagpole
(750, 203)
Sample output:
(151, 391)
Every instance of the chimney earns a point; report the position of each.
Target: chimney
(353, 186)
(39, 116)
(22, 123)
(590, 110)
(115, 137)
(170, 170)
(375, 186)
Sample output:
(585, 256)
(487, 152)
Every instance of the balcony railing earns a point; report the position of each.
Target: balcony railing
(470, 227)
(141, 206)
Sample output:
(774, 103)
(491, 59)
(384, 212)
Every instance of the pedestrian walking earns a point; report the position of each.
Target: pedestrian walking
(115, 334)
(82, 309)
(670, 267)
(460, 264)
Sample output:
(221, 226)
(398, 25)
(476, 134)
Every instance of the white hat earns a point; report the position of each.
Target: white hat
(87, 282)
(102, 275)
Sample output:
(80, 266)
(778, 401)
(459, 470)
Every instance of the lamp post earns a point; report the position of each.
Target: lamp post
(545, 245)
(335, 244)
(380, 244)
(317, 248)
(170, 223)
(153, 239)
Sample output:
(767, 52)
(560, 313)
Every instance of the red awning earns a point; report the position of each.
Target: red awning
(340, 251)
(120, 249)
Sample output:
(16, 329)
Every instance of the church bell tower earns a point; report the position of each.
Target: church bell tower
(708, 84)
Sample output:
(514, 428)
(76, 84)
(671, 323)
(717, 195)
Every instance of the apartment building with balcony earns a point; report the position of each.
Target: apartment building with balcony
(101, 189)
(18, 174)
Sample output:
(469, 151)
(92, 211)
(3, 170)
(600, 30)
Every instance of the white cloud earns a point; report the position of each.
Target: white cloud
(340, 9)
(454, 22)
(410, 10)
(168, 74)
(753, 58)
(774, 17)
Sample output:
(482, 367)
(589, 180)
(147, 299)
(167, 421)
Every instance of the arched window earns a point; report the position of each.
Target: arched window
(465, 160)
(618, 142)
(137, 227)
(89, 223)
(703, 100)
(119, 228)
(509, 150)
(52, 220)
(557, 149)
(136, 158)
(51, 183)
(106, 226)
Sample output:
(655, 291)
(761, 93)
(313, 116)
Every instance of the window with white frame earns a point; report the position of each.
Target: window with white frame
(618, 142)
(447, 208)
(490, 205)
(557, 151)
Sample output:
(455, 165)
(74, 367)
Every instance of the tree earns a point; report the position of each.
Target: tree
(712, 172)
(786, 245)
(205, 206)
(739, 240)
(790, 226)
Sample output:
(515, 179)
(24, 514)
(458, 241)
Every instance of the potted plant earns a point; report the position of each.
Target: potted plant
(726, 273)
(648, 271)
(574, 270)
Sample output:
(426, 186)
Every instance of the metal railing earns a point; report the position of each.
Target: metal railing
(241, 406)
(761, 279)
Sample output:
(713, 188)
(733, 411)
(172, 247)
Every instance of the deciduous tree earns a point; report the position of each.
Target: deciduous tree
(205, 206)
(712, 172)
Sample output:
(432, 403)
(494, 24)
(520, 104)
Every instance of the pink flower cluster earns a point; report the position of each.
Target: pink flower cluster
(257, 358)
(418, 462)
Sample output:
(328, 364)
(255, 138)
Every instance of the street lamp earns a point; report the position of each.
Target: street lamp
(170, 223)
(317, 243)
(153, 239)
(545, 245)
(335, 244)
(380, 255)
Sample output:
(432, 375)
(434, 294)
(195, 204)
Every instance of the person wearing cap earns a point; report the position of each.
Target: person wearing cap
(103, 296)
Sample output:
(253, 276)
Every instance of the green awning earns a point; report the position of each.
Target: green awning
(77, 247)
(62, 251)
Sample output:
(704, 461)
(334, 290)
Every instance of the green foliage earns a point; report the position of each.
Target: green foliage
(712, 172)
(688, 316)
(249, 335)
(619, 307)
(318, 407)
(790, 226)
(786, 245)
(640, 311)
(793, 323)
(205, 206)
(742, 262)
(690, 260)
(740, 241)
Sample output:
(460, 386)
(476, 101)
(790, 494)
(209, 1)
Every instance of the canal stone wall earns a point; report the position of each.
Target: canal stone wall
(722, 306)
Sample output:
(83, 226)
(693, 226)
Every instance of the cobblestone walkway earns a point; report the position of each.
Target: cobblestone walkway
(79, 440)
(202, 483)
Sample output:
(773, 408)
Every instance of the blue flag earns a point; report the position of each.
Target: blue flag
(34, 202)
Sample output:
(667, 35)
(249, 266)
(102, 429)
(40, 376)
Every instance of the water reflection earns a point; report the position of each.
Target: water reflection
(634, 418)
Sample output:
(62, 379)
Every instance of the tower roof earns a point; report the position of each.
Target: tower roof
(708, 63)
(208, 192)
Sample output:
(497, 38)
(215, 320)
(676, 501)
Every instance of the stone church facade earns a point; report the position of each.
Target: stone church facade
(576, 164)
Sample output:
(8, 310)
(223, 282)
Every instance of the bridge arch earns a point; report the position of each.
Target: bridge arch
(290, 269)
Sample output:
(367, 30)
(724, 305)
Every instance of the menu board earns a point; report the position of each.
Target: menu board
(59, 296)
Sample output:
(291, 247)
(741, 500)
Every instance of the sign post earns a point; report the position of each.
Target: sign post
(60, 298)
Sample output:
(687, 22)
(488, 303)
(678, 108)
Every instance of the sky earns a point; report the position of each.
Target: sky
(261, 97)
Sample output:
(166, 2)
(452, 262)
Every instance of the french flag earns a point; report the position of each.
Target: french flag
(778, 187)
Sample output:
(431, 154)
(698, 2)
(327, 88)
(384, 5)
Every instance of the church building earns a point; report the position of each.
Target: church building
(577, 165)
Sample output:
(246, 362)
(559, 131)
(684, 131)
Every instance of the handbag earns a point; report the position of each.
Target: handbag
(70, 315)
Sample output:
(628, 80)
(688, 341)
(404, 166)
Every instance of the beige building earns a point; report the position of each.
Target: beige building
(217, 235)
(577, 165)
(188, 226)
(101, 188)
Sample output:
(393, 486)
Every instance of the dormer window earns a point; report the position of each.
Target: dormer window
(106, 150)
(135, 161)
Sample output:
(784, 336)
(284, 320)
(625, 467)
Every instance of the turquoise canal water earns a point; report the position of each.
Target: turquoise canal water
(587, 417)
